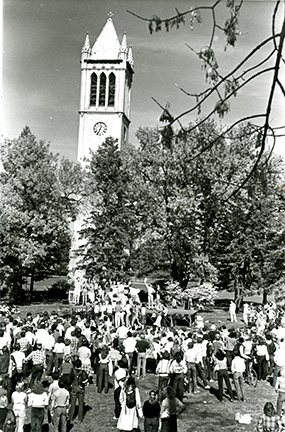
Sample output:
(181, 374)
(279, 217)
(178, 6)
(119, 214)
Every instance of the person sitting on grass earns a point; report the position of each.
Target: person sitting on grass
(269, 421)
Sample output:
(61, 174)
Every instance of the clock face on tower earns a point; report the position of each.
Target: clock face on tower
(100, 128)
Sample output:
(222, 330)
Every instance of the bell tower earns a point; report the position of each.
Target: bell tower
(106, 81)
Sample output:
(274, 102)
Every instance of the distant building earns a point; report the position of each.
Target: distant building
(107, 70)
(105, 96)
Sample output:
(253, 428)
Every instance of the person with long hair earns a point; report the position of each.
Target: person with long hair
(170, 408)
(269, 421)
(223, 375)
(131, 408)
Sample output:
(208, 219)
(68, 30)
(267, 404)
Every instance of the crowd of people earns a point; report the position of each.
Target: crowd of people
(47, 361)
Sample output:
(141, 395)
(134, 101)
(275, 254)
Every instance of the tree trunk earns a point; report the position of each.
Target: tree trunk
(264, 296)
(15, 290)
(32, 283)
(238, 295)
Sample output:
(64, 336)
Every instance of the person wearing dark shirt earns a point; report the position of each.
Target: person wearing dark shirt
(151, 412)
(141, 346)
(80, 380)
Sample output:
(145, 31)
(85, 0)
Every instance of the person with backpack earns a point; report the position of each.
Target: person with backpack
(131, 408)
(77, 391)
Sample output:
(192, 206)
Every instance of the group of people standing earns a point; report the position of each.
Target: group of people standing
(48, 360)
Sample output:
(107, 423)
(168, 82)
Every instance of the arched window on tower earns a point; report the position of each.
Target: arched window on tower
(93, 89)
(102, 93)
(112, 89)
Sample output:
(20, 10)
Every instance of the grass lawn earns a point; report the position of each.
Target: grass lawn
(203, 412)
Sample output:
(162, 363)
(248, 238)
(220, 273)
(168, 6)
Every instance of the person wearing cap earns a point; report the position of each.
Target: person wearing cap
(38, 358)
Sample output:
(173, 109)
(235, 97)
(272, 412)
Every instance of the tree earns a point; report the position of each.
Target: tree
(35, 212)
(192, 231)
(265, 59)
(111, 227)
(247, 242)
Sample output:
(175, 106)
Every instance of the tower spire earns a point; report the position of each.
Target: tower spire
(130, 56)
(86, 47)
(107, 45)
(124, 44)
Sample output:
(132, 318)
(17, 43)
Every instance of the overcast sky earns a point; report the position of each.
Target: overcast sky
(41, 70)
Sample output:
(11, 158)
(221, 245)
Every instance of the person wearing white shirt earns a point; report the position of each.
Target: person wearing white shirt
(162, 370)
(262, 359)
(199, 364)
(38, 400)
(238, 368)
(191, 359)
(70, 329)
(19, 404)
(279, 360)
(16, 363)
(130, 345)
(178, 368)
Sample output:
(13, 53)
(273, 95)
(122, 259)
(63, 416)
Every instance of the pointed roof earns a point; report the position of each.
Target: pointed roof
(107, 45)
(124, 44)
(86, 47)
(130, 56)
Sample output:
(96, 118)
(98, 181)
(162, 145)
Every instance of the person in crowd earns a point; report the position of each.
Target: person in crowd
(238, 369)
(59, 407)
(223, 375)
(17, 358)
(151, 413)
(104, 370)
(77, 391)
(38, 358)
(280, 390)
(279, 360)
(130, 345)
(150, 293)
(191, 360)
(271, 348)
(198, 345)
(19, 405)
(262, 357)
(269, 421)
(66, 371)
(162, 370)
(178, 370)
(232, 311)
(171, 407)
(3, 403)
(131, 408)
(119, 381)
(229, 346)
(38, 401)
(58, 351)
(10, 422)
(142, 346)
